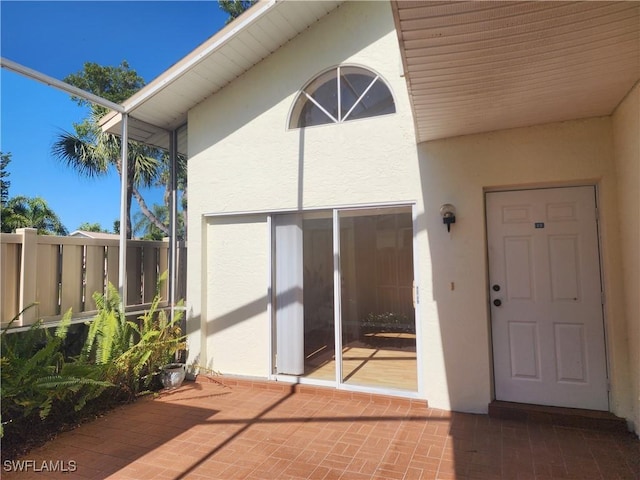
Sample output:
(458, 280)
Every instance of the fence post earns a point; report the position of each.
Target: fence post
(28, 274)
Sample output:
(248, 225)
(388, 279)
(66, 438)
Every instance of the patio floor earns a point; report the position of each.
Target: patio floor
(257, 430)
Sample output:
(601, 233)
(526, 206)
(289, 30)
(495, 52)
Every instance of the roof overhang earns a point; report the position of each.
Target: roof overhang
(470, 67)
(481, 66)
(144, 132)
(162, 105)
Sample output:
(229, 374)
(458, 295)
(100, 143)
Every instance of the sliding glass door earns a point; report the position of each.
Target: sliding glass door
(372, 261)
(319, 338)
(378, 315)
(304, 305)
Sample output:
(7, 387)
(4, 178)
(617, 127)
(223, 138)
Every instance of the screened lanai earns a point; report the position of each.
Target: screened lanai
(171, 140)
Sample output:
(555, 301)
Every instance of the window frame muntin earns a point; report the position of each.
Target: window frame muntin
(376, 77)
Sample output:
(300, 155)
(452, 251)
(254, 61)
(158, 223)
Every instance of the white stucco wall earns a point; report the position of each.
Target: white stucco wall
(243, 158)
(259, 164)
(626, 147)
(237, 323)
(458, 171)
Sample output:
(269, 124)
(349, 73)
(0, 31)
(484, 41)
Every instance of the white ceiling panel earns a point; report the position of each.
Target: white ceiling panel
(470, 67)
(480, 66)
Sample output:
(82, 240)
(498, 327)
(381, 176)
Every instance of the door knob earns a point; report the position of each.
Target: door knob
(497, 302)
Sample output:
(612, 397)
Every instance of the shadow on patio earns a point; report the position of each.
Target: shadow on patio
(265, 430)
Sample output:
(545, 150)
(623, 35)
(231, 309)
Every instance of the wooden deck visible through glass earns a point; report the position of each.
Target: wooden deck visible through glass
(386, 360)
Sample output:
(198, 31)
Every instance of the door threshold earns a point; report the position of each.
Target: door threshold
(558, 416)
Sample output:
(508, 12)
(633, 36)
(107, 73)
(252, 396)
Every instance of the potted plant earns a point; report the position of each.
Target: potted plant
(172, 375)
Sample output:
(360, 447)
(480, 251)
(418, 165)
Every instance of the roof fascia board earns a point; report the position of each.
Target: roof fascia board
(210, 46)
(112, 123)
(59, 84)
(112, 120)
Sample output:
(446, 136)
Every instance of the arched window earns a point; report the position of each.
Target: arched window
(339, 95)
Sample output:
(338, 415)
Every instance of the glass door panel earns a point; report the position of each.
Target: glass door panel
(319, 336)
(378, 316)
(303, 300)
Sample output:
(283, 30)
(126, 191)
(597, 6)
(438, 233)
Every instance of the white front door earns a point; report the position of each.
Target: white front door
(546, 301)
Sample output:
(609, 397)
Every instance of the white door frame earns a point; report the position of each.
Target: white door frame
(338, 384)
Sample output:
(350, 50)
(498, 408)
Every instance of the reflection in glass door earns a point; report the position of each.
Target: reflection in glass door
(377, 334)
(319, 333)
(378, 316)
(305, 335)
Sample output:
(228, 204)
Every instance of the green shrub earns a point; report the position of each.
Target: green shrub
(42, 390)
(37, 378)
(131, 351)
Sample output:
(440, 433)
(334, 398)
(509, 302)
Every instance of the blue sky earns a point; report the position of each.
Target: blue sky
(56, 38)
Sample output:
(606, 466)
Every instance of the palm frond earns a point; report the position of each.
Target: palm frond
(145, 164)
(79, 154)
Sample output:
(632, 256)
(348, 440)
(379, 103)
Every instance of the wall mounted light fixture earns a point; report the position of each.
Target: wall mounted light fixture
(448, 213)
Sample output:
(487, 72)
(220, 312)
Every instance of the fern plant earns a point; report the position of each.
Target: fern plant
(131, 351)
(38, 383)
(35, 376)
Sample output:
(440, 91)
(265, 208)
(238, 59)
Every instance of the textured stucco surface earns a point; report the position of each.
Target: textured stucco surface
(459, 171)
(626, 136)
(236, 315)
(243, 158)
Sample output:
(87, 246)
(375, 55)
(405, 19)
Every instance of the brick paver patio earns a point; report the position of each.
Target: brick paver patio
(277, 431)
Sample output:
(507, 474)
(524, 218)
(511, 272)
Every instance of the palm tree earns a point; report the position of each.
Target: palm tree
(93, 152)
(31, 212)
(148, 230)
(164, 180)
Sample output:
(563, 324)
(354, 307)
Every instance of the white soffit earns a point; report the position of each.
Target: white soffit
(162, 105)
(481, 66)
